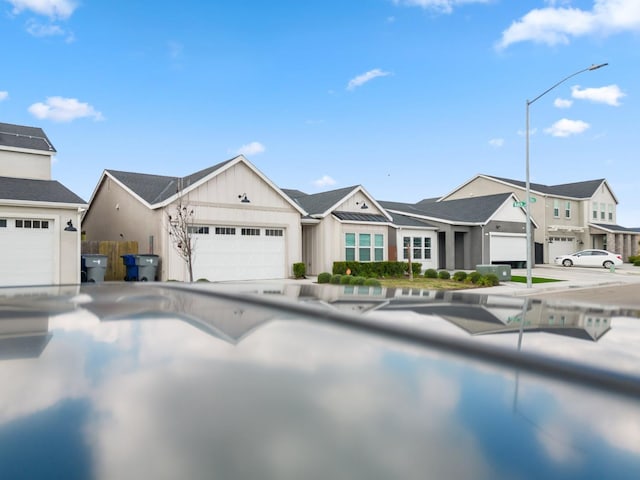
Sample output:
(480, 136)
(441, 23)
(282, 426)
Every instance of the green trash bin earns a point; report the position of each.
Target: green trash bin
(147, 266)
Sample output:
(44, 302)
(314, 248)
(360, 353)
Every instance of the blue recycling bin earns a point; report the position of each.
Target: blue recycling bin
(131, 266)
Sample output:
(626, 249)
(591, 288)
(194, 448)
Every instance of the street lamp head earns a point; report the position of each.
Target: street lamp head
(596, 67)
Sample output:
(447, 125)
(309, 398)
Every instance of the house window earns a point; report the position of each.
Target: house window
(198, 230)
(365, 248)
(602, 212)
(225, 231)
(364, 252)
(252, 232)
(3, 223)
(427, 248)
(378, 249)
(567, 210)
(417, 248)
(610, 212)
(594, 207)
(273, 232)
(350, 247)
(24, 223)
(406, 241)
(556, 209)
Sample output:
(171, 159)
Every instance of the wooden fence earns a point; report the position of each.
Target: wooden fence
(113, 250)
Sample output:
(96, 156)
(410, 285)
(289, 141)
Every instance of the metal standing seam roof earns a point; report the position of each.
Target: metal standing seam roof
(50, 191)
(467, 210)
(19, 136)
(584, 189)
(361, 217)
(157, 188)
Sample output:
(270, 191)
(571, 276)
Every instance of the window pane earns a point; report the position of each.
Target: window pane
(350, 254)
(417, 242)
(365, 255)
(365, 240)
(350, 239)
(379, 240)
(379, 254)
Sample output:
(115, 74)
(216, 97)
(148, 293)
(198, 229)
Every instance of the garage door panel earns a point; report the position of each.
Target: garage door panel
(26, 255)
(508, 248)
(239, 257)
(561, 246)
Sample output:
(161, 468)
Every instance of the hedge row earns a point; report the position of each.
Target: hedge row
(376, 269)
(489, 280)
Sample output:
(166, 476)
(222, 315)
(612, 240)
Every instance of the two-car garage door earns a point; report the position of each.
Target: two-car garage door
(224, 253)
(26, 251)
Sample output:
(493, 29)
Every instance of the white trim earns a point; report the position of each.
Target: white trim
(33, 203)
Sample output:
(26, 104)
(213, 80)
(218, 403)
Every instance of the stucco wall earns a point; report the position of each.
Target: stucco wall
(25, 165)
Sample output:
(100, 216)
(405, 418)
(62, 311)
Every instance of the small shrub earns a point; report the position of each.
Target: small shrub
(416, 268)
(345, 280)
(371, 282)
(460, 276)
(357, 280)
(444, 275)
(430, 273)
(324, 277)
(489, 280)
(474, 277)
(339, 268)
(299, 270)
(335, 279)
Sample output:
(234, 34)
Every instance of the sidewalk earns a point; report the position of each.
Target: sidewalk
(569, 278)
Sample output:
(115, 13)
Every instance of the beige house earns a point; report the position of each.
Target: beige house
(244, 226)
(570, 217)
(346, 224)
(38, 216)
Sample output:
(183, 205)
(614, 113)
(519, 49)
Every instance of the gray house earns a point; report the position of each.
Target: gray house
(39, 217)
(472, 231)
(571, 216)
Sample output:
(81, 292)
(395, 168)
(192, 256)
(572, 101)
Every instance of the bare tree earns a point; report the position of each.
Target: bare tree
(181, 229)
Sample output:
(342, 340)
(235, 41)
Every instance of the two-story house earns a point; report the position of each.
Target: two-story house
(39, 217)
(570, 216)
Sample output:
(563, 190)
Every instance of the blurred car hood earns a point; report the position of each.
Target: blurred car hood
(307, 381)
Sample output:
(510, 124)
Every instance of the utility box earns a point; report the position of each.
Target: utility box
(503, 272)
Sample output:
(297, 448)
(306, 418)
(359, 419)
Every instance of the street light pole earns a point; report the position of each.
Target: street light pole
(527, 182)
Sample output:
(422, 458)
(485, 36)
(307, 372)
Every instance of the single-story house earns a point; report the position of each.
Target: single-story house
(243, 225)
(39, 217)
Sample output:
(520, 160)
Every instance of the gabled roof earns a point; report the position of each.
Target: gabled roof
(46, 191)
(400, 220)
(158, 188)
(158, 191)
(319, 203)
(582, 190)
(18, 136)
(464, 210)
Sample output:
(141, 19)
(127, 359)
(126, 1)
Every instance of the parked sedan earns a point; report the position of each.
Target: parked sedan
(590, 258)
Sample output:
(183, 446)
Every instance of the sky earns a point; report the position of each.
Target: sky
(408, 98)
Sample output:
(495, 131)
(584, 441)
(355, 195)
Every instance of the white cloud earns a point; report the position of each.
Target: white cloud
(38, 29)
(61, 109)
(496, 142)
(49, 8)
(366, 77)
(562, 103)
(324, 181)
(4, 95)
(610, 94)
(253, 148)
(441, 6)
(558, 25)
(566, 128)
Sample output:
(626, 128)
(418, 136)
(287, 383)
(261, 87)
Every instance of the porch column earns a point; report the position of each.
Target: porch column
(611, 242)
(627, 247)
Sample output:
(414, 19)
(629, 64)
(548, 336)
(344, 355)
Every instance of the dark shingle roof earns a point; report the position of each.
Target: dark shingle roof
(37, 191)
(473, 210)
(404, 221)
(575, 190)
(157, 188)
(616, 228)
(18, 136)
(318, 203)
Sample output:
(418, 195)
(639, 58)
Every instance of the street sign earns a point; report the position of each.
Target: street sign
(532, 199)
(519, 204)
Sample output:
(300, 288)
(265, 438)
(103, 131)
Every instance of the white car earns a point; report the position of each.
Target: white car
(590, 258)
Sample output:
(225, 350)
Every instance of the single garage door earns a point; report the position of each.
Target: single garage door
(508, 247)
(226, 253)
(27, 251)
(561, 246)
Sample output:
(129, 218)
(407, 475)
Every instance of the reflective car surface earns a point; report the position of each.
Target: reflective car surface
(590, 258)
(251, 381)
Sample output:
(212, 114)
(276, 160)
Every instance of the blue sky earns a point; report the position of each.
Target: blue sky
(409, 98)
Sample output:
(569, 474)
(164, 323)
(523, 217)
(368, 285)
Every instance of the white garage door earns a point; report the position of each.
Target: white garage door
(561, 246)
(508, 247)
(239, 253)
(26, 252)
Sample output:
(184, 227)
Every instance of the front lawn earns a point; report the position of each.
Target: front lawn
(427, 283)
(523, 279)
